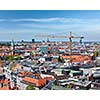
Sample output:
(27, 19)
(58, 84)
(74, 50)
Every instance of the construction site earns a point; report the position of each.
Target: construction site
(50, 65)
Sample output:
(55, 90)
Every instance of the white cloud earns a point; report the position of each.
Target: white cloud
(2, 20)
(86, 27)
(57, 19)
(50, 26)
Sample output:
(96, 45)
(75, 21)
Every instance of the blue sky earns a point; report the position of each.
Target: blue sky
(24, 24)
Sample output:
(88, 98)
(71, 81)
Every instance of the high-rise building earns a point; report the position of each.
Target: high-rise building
(33, 40)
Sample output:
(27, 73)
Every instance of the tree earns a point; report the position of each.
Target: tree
(69, 86)
(96, 54)
(60, 59)
(30, 87)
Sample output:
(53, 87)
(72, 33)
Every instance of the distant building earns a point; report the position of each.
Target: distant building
(33, 40)
(98, 60)
(44, 49)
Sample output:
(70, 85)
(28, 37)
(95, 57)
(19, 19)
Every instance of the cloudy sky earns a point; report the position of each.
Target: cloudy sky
(24, 25)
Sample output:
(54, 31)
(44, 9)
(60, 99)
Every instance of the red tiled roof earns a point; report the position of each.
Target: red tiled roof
(5, 88)
(77, 58)
(6, 83)
(33, 81)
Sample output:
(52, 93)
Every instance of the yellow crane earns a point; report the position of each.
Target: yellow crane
(34, 53)
(63, 36)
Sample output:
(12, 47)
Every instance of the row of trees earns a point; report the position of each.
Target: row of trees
(5, 44)
(10, 58)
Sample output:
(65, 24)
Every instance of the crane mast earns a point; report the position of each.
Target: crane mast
(70, 46)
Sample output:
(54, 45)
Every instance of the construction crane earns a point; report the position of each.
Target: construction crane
(13, 47)
(70, 40)
(34, 53)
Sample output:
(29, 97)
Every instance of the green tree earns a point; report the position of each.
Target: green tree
(30, 87)
(69, 86)
(61, 60)
(96, 54)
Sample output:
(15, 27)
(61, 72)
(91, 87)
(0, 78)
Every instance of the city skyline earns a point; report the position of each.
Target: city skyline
(24, 24)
